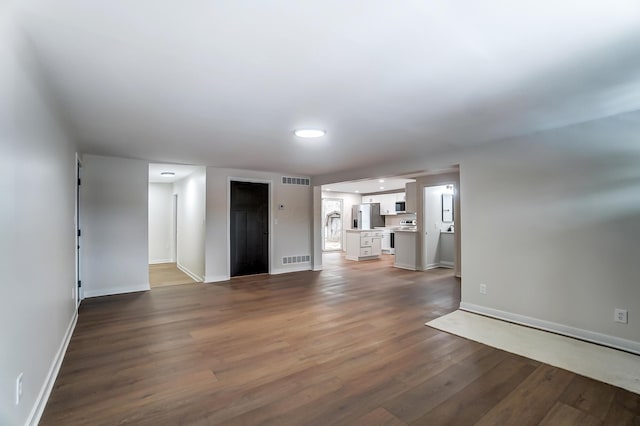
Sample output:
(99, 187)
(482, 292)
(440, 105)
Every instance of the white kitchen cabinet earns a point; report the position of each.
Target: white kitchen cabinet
(363, 245)
(369, 199)
(387, 202)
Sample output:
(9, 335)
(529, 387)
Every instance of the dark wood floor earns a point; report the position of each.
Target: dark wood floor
(347, 345)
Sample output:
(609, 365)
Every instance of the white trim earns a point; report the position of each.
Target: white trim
(565, 330)
(458, 275)
(407, 267)
(78, 293)
(159, 261)
(431, 266)
(317, 268)
(269, 182)
(47, 386)
(298, 268)
(191, 274)
(444, 264)
(216, 278)
(117, 290)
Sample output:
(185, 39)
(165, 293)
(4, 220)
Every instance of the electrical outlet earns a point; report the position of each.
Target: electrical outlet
(483, 289)
(620, 315)
(18, 388)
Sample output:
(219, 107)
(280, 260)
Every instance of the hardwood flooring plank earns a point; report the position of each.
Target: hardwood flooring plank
(379, 417)
(587, 395)
(562, 414)
(531, 401)
(476, 399)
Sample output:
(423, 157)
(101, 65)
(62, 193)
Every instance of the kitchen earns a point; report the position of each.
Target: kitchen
(378, 218)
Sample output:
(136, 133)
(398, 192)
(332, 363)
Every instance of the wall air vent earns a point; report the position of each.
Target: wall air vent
(288, 180)
(289, 260)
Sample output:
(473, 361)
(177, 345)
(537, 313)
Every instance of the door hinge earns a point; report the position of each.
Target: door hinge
(79, 233)
(79, 182)
(79, 283)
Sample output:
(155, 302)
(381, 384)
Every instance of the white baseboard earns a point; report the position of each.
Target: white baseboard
(116, 290)
(407, 267)
(565, 330)
(216, 278)
(431, 266)
(445, 264)
(193, 276)
(47, 386)
(317, 268)
(159, 261)
(298, 268)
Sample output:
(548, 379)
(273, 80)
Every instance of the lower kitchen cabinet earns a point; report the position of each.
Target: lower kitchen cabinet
(363, 244)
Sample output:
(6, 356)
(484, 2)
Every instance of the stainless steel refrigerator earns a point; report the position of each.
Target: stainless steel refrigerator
(366, 216)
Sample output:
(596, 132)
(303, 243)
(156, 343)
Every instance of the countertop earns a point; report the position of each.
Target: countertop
(447, 232)
(412, 231)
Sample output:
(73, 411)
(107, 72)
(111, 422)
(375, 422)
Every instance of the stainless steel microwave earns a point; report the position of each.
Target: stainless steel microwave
(401, 207)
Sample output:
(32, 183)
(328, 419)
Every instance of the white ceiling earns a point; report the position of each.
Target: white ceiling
(368, 186)
(225, 83)
(181, 172)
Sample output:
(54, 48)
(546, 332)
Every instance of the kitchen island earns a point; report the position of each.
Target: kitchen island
(363, 244)
(406, 249)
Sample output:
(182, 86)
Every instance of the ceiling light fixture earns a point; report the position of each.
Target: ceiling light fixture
(381, 180)
(167, 174)
(382, 187)
(309, 133)
(357, 190)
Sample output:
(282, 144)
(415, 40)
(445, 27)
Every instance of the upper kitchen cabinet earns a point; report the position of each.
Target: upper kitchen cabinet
(411, 195)
(387, 202)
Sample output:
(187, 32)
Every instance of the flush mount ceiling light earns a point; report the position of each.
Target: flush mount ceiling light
(381, 180)
(309, 133)
(382, 187)
(167, 174)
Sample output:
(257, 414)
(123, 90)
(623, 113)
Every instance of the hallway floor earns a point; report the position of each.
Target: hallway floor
(166, 274)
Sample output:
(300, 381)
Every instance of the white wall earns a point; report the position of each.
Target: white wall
(191, 223)
(37, 243)
(114, 215)
(552, 227)
(348, 201)
(161, 232)
(290, 236)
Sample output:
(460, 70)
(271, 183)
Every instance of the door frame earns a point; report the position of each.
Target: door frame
(78, 293)
(269, 182)
(174, 228)
(428, 234)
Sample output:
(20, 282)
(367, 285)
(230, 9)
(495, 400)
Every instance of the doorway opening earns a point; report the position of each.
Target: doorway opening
(438, 242)
(176, 224)
(332, 224)
(248, 228)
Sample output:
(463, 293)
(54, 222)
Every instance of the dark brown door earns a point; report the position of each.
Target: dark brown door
(249, 228)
